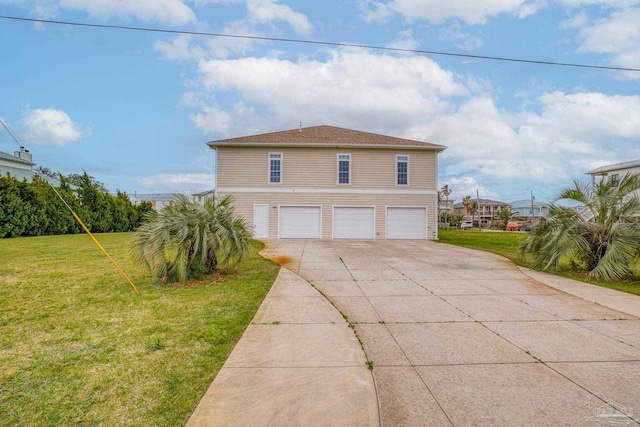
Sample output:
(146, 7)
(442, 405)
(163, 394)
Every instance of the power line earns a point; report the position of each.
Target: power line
(14, 138)
(323, 43)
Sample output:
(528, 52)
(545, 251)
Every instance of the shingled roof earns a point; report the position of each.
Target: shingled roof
(324, 136)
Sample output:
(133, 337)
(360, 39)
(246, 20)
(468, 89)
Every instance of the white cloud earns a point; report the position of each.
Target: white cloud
(568, 136)
(603, 3)
(171, 12)
(617, 35)
(51, 126)
(351, 87)
(470, 11)
(461, 39)
(185, 47)
(580, 20)
(213, 119)
(467, 186)
(265, 11)
(178, 183)
(405, 40)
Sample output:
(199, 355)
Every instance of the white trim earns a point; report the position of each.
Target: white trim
(333, 219)
(296, 205)
(269, 168)
(325, 191)
(386, 218)
(396, 177)
(431, 147)
(338, 168)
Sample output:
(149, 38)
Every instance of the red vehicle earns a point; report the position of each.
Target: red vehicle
(511, 226)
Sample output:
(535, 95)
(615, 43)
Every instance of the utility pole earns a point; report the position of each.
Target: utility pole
(479, 212)
(532, 199)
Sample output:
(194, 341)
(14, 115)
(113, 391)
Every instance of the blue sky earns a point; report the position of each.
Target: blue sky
(135, 109)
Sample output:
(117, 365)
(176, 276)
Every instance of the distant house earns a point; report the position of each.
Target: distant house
(157, 200)
(486, 211)
(615, 172)
(209, 194)
(523, 208)
(446, 206)
(325, 182)
(20, 166)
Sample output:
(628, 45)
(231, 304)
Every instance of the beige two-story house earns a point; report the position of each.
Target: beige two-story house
(326, 182)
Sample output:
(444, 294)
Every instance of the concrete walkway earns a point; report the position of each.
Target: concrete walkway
(457, 337)
(298, 364)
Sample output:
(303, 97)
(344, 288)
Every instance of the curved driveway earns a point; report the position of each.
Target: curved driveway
(462, 337)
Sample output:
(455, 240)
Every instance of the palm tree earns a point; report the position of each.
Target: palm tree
(446, 191)
(471, 206)
(605, 239)
(504, 215)
(189, 239)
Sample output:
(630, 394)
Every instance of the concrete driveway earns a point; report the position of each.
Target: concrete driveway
(462, 337)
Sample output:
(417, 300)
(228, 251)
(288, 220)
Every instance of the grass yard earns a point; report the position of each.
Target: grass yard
(507, 244)
(79, 347)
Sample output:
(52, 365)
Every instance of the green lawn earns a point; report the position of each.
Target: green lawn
(79, 347)
(507, 244)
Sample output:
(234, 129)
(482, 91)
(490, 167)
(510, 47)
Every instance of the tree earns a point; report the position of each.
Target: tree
(446, 191)
(504, 215)
(471, 206)
(603, 236)
(189, 238)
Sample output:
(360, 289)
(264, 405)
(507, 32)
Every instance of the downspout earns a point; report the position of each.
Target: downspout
(436, 237)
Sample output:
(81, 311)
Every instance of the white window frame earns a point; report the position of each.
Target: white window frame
(338, 160)
(269, 168)
(398, 156)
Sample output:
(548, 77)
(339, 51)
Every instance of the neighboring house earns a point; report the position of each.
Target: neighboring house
(614, 172)
(446, 206)
(158, 200)
(325, 182)
(486, 210)
(20, 166)
(209, 194)
(523, 208)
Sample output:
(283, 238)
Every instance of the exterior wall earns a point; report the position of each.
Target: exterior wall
(317, 168)
(17, 165)
(244, 203)
(597, 177)
(310, 178)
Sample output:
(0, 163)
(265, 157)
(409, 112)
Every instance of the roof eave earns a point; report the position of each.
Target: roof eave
(602, 170)
(430, 147)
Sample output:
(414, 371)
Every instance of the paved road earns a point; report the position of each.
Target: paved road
(462, 337)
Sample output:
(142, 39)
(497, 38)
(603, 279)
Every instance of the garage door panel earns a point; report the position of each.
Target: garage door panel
(407, 223)
(300, 222)
(353, 222)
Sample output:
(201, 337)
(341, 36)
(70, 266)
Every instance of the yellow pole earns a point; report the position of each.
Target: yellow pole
(105, 252)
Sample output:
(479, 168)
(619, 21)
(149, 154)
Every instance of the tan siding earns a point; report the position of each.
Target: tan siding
(244, 205)
(317, 168)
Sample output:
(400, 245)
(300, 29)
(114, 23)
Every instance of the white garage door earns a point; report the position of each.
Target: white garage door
(353, 223)
(406, 223)
(300, 222)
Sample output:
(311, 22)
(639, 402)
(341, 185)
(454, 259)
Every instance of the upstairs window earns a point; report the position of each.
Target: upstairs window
(344, 168)
(615, 179)
(402, 170)
(275, 168)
